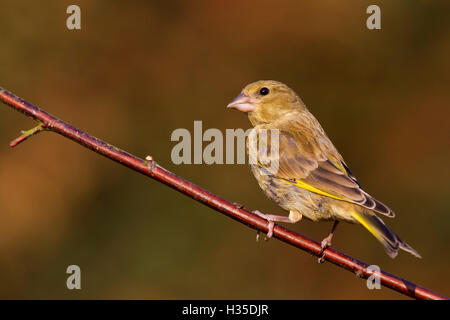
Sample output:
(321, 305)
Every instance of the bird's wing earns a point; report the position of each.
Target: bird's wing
(308, 165)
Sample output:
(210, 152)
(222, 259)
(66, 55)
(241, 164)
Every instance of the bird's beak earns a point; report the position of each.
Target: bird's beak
(242, 103)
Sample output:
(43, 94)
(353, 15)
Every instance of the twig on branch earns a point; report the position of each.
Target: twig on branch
(26, 134)
(150, 168)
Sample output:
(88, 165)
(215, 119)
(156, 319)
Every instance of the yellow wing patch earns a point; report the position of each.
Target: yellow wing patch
(308, 187)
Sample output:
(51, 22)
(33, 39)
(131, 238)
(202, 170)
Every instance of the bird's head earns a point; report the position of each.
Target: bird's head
(266, 100)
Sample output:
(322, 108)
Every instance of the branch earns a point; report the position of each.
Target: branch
(151, 169)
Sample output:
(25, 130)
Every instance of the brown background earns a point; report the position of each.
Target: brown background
(139, 69)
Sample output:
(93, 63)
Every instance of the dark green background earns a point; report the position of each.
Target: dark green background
(140, 69)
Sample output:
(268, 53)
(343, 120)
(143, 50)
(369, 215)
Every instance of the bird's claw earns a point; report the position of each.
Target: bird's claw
(321, 259)
(271, 226)
(325, 244)
(270, 232)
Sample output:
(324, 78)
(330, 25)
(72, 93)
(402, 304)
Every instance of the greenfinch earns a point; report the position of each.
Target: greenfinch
(310, 177)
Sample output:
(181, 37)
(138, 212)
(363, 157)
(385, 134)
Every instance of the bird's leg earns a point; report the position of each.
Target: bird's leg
(294, 216)
(327, 241)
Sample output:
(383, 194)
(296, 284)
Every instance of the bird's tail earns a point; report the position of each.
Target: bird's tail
(386, 236)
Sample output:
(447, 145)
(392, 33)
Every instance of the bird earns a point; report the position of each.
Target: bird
(301, 170)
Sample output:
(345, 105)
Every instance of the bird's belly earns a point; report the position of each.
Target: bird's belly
(311, 205)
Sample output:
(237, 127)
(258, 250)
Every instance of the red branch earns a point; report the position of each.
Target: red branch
(150, 168)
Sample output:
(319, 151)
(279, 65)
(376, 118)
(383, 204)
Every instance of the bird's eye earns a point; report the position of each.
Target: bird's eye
(264, 91)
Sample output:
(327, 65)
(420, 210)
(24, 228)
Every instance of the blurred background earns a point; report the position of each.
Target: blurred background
(138, 70)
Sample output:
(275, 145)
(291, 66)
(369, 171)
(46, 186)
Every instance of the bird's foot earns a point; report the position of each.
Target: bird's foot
(271, 225)
(271, 219)
(326, 243)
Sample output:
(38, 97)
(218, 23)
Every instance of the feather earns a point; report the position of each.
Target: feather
(304, 162)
